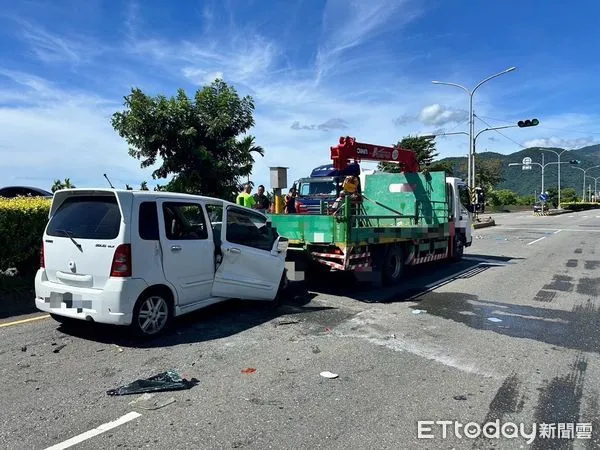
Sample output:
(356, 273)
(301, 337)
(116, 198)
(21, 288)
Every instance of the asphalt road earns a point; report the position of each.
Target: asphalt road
(426, 351)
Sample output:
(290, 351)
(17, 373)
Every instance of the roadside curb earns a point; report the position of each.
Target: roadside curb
(478, 225)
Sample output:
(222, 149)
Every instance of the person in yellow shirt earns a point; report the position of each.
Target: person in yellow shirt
(244, 198)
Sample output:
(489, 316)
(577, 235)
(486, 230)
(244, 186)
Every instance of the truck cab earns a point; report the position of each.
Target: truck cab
(323, 185)
(458, 195)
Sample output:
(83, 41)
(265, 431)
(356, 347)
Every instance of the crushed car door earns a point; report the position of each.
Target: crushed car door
(253, 256)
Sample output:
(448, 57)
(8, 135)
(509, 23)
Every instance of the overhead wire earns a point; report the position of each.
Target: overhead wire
(502, 134)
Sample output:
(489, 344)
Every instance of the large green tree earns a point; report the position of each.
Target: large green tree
(488, 172)
(425, 150)
(199, 142)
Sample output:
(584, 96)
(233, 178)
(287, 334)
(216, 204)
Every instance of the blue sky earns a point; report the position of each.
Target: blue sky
(316, 69)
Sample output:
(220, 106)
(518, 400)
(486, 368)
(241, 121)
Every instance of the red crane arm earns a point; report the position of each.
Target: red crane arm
(349, 149)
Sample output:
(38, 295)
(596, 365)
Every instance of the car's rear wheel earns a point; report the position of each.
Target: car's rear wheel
(152, 314)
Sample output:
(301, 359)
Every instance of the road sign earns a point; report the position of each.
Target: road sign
(543, 197)
(527, 167)
(527, 161)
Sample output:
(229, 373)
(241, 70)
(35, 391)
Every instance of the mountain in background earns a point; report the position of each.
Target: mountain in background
(527, 182)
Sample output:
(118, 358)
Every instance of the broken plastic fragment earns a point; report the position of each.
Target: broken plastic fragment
(328, 374)
(165, 381)
(494, 319)
(249, 370)
(418, 311)
(460, 397)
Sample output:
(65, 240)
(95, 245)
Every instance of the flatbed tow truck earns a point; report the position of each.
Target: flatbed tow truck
(395, 220)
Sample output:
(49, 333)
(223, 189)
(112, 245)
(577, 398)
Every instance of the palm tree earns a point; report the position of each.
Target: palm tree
(246, 147)
(58, 185)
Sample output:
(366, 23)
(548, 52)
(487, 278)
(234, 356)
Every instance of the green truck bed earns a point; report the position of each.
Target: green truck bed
(396, 207)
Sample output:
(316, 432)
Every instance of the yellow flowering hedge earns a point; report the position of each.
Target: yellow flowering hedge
(22, 224)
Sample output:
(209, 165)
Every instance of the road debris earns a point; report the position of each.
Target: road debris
(419, 311)
(286, 322)
(494, 319)
(460, 397)
(145, 402)
(328, 374)
(119, 349)
(24, 348)
(249, 370)
(59, 348)
(316, 349)
(165, 381)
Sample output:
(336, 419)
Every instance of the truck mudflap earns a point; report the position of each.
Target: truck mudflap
(341, 259)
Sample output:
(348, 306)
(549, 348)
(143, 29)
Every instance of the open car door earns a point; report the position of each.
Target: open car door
(252, 256)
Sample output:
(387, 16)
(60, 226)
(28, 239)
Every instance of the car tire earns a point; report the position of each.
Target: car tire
(152, 314)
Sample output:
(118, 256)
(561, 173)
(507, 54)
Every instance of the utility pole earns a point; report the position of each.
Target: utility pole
(470, 93)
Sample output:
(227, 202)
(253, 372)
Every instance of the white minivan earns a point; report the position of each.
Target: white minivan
(140, 258)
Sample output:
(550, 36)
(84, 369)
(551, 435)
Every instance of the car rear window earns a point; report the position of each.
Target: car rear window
(86, 217)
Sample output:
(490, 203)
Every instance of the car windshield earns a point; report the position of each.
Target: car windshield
(318, 188)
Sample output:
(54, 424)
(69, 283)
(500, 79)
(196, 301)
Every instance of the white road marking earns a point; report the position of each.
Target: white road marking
(557, 231)
(585, 217)
(537, 240)
(570, 217)
(582, 230)
(96, 431)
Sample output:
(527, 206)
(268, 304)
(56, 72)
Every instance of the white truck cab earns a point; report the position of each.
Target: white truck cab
(140, 258)
(461, 215)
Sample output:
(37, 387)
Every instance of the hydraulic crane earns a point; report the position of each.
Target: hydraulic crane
(348, 149)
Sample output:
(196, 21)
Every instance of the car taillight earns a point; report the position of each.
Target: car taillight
(42, 261)
(121, 263)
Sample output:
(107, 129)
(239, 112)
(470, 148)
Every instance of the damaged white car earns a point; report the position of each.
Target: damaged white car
(141, 258)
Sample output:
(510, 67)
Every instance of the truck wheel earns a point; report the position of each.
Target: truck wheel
(393, 265)
(459, 248)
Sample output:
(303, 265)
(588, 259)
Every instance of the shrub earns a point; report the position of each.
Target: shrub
(579, 206)
(22, 224)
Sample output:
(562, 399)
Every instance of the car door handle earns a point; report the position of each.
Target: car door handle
(234, 250)
(175, 248)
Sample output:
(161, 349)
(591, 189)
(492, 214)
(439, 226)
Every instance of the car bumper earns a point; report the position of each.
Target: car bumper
(112, 305)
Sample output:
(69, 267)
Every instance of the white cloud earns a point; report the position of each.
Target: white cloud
(437, 115)
(559, 142)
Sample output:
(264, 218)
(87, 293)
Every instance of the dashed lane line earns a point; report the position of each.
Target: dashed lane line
(537, 240)
(96, 431)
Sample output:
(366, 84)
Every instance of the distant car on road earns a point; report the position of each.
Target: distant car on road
(25, 191)
(537, 207)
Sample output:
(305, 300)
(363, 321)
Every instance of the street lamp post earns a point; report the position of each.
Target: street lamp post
(584, 172)
(542, 165)
(595, 187)
(470, 93)
(559, 155)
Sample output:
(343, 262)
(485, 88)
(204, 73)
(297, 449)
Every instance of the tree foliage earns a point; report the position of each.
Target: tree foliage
(425, 150)
(66, 184)
(196, 141)
(568, 195)
(488, 172)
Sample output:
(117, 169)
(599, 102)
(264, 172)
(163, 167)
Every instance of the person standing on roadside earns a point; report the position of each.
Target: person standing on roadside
(262, 202)
(244, 198)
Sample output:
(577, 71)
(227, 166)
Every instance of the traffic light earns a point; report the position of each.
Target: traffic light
(528, 123)
(574, 161)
